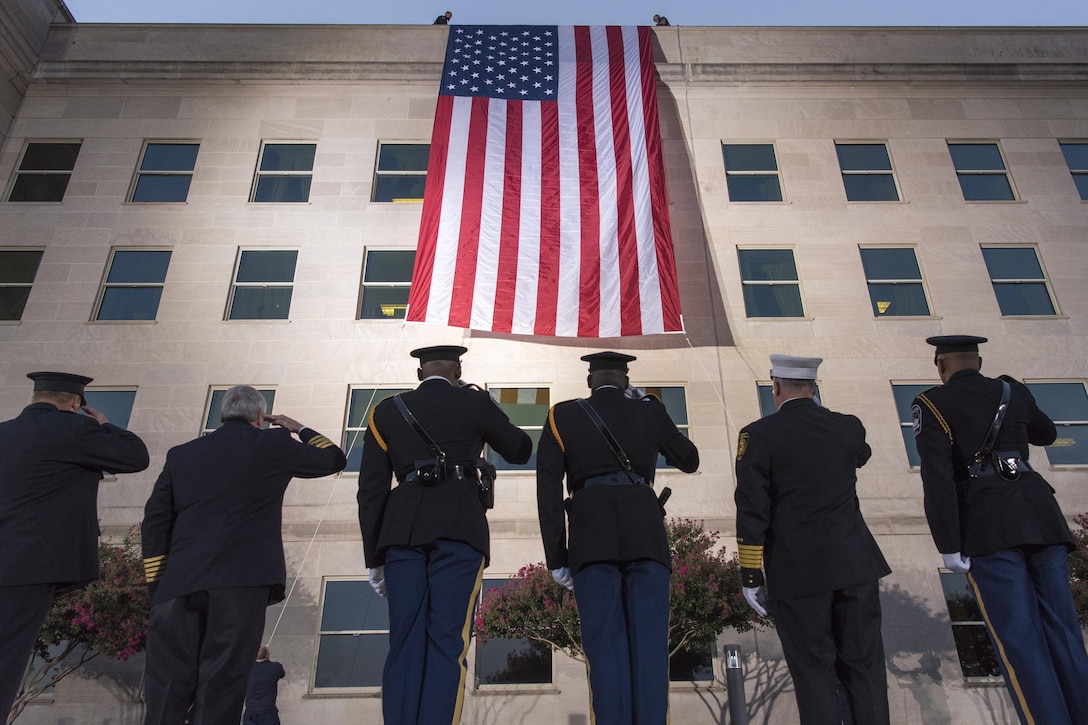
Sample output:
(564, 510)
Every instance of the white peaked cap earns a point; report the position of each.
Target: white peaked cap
(794, 368)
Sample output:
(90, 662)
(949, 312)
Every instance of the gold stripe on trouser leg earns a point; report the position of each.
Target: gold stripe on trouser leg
(1016, 690)
(592, 714)
(466, 633)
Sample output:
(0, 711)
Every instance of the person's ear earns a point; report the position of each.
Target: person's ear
(419, 373)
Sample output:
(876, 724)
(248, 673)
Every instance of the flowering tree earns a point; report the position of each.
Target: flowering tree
(108, 617)
(705, 598)
(1078, 568)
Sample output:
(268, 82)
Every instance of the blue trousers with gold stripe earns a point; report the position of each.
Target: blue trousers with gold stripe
(1025, 599)
(624, 610)
(432, 592)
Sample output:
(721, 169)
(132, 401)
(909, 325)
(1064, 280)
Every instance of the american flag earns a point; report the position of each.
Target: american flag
(545, 210)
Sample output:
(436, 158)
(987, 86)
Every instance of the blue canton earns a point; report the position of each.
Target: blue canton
(518, 62)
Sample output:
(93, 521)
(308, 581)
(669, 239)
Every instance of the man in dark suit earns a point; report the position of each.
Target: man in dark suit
(426, 540)
(617, 548)
(262, 690)
(1003, 527)
(213, 556)
(443, 19)
(798, 514)
(51, 460)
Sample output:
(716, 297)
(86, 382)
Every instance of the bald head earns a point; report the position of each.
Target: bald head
(950, 363)
(447, 369)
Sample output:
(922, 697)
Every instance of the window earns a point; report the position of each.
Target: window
(895, 281)
(133, 285)
(164, 173)
(1076, 156)
(360, 403)
(867, 172)
(976, 653)
(215, 406)
(18, 268)
(353, 636)
(115, 404)
(44, 171)
(263, 285)
(1066, 403)
(402, 172)
(765, 393)
(751, 172)
(285, 172)
(770, 283)
(981, 172)
(904, 394)
(676, 406)
(511, 661)
(696, 665)
(1019, 281)
(387, 279)
(527, 408)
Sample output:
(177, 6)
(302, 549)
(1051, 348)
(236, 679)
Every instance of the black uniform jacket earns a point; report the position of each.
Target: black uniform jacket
(987, 514)
(460, 421)
(213, 519)
(50, 464)
(607, 523)
(797, 497)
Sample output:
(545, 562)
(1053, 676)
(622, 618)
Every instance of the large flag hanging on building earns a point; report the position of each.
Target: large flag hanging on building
(545, 210)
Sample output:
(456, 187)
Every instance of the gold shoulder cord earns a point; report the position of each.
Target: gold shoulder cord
(936, 414)
(555, 430)
(374, 430)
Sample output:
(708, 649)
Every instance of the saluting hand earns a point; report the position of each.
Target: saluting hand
(96, 414)
(284, 422)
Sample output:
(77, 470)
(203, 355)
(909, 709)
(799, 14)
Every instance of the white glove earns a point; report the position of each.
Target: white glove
(377, 580)
(756, 598)
(957, 562)
(562, 576)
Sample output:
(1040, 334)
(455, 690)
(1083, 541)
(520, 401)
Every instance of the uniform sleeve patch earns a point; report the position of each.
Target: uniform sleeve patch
(916, 418)
(742, 445)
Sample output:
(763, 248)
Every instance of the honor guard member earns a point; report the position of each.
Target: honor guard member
(51, 460)
(995, 518)
(616, 557)
(426, 540)
(213, 556)
(798, 515)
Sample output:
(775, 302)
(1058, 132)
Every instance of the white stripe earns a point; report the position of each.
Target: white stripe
(449, 222)
(528, 283)
(566, 323)
(607, 192)
(487, 254)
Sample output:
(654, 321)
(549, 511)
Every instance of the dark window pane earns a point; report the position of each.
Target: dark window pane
(353, 605)
(278, 266)
(1071, 446)
(758, 265)
(766, 400)
(1012, 263)
(403, 157)
(863, 157)
(13, 302)
(749, 157)
(1061, 401)
(19, 266)
(393, 266)
(976, 157)
(162, 188)
(129, 303)
(890, 300)
(363, 399)
(384, 303)
(870, 187)
(261, 303)
(288, 157)
(351, 660)
(50, 157)
(399, 188)
(976, 652)
(754, 188)
(675, 402)
(138, 267)
(960, 598)
(1076, 155)
(116, 405)
(986, 187)
(782, 300)
(215, 407)
(1026, 298)
(496, 460)
(911, 445)
(904, 396)
(692, 665)
(39, 187)
(282, 188)
(513, 662)
(888, 263)
(169, 157)
(1081, 180)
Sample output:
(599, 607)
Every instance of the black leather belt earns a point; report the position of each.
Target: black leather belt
(1018, 465)
(617, 478)
(453, 473)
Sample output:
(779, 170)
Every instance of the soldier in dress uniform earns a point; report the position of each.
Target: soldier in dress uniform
(426, 540)
(616, 558)
(51, 461)
(1004, 528)
(213, 556)
(798, 515)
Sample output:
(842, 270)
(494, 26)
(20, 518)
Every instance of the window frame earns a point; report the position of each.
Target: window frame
(106, 285)
(380, 173)
(1080, 175)
(363, 285)
(210, 398)
(945, 574)
(1044, 280)
(1060, 422)
(140, 172)
(534, 430)
(764, 391)
(751, 173)
(259, 173)
(920, 281)
(479, 687)
(889, 172)
(29, 286)
(352, 439)
(19, 171)
(906, 420)
(746, 283)
(235, 285)
(313, 689)
(966, 173)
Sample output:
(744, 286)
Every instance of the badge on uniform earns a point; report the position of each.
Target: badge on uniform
(916, 418)
(742, 445)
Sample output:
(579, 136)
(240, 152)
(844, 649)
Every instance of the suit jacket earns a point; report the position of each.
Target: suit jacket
(214, 517)
(460, 421)
(796, 496)
(988, 514)
(50, 464)
(607, 523)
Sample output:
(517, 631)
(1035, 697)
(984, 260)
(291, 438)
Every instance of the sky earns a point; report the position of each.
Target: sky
(590, 12)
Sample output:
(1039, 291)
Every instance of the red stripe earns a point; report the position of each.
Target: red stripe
(511, 223)
(464, 278)
(630, 307)
(432, 212)
(547, 294)
(589, 307)
(659, 205)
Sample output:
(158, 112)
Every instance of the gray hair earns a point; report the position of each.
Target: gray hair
(243, 403)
